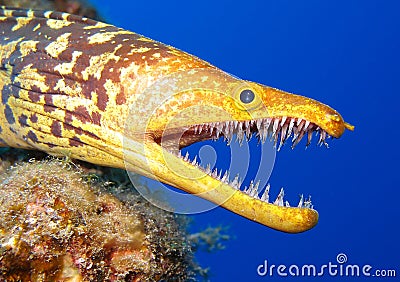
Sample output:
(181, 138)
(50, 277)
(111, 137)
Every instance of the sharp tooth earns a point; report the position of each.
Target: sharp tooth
(213, 127)
(232, 127)
(283, 136)
(248, 130)
(235, 123)
(200, 128)
(298, 134)
(210, 127)
(307, 123)
(225, 178)
(287, 204)
(322, 137)
(298, 129)
(225, 129)
(300, 205)
(240, 135)
(263, 130)
(235, 182)
(307, 203)
(325, 135)
(228, 137)
(248, 190)
(194, 162)
(285, 131)
(283, 121)
(267, 123)
(299, 120)
(275, 127)
(220, 127)
(297, 139)
(279, 199)
(275, 139)
(208, 169)
(291, 124)
(215, 173)
(265, 195)
(258, 124)
(254, 190)
(309, 137)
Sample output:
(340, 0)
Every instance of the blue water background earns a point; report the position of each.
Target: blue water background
(345, 53)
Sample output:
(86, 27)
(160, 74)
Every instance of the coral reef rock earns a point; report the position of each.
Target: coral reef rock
(56, 225)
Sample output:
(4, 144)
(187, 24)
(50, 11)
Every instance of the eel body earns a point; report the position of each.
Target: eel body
(71, 86)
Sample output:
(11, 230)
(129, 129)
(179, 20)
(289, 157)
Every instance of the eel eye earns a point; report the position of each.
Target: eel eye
(247, 96)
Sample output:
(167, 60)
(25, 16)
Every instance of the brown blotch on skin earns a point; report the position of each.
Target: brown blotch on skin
(87, 87)
(68, 118)
(96, 118)
(31, 135)
(102, 98)
(48, 109)
(102, 101)
(34, 97)
(75, 142)
(73, 128)
(56, 128)
(9, 114)
(121, 98)
(22, 119)
(82, 114)
(34, 118)
(48, 99)
(79, 131)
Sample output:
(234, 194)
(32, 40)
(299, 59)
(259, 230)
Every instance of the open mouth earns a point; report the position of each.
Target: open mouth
(279, 130)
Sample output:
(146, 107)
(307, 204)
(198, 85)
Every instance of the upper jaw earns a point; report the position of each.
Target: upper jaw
(278, 129)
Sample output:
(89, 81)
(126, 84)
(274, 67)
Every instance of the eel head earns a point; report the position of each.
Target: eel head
(209, 104)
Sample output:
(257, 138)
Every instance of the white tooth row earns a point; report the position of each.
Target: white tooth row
(252, 190)
(277, 129)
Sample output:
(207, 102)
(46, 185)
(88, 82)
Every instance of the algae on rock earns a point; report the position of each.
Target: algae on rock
(54, 225)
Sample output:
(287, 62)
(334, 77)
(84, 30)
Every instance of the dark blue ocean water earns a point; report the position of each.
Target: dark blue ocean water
(345, 53)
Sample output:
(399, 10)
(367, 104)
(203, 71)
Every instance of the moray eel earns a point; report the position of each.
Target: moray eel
(72, 86)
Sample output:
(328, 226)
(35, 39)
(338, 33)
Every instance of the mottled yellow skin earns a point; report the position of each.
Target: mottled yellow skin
(76, 87)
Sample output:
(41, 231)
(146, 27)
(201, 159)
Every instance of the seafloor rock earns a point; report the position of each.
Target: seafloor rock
(55, 226)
